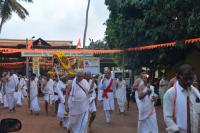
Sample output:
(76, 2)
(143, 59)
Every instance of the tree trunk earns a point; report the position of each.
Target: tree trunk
(86, 24)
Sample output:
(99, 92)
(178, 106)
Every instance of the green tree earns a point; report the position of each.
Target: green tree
(138, 22)
(7, 7)
(99, 44)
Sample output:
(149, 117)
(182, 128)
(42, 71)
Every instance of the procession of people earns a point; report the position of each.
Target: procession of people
(74, 99)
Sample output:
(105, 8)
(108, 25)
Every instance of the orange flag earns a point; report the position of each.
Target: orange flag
(30, 44)
(78, 45)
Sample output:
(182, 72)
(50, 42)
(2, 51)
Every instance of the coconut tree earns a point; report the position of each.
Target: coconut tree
(7, 7)
(86, 23)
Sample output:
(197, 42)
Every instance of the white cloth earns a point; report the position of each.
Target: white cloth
(23, 86)
(121, 95)
(78, 123)
(1, 98)
(78, 101)
(148, 125)
(33, 97)
(10, 100)
(92, 97)
(48, 91)
(61, 106)
(100, 91)
(5, 101)
(11, 83)
(108, 103)
(18, 97)
(178, 96)
(107, 116)
(147, 121)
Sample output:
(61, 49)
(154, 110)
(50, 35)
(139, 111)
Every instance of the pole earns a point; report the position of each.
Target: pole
(86, 24)
(27, 75)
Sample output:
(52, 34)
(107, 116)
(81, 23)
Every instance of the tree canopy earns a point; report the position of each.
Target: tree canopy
(7, 7)
(140, 22)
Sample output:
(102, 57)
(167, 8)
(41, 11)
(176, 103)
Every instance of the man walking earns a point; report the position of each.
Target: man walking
(92, 98)
(180, 103)
(108, 86)
(10, 88)
(78, 104)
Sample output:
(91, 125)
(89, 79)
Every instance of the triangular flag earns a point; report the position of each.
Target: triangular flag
(78, 45)
(30, 44)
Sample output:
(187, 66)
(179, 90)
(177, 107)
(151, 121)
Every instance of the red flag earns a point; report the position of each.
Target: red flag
(30, 44)
(78, 45)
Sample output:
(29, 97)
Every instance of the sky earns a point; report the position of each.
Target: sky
(58, 20)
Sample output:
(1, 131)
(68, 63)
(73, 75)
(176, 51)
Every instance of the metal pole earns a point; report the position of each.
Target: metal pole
(27, 74)
(27, 62)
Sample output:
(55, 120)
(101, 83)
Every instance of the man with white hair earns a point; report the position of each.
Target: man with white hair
(10, 88)
(78, 104)
(108, 87)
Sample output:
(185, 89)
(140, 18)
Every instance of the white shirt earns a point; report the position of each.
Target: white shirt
(12, 83)
(48, 89)
(177, 95)
(78, 101)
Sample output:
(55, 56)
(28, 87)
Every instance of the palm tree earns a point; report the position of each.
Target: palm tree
(86, 24)
(7, 7)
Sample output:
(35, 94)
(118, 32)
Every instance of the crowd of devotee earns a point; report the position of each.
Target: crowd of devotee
(74, 99)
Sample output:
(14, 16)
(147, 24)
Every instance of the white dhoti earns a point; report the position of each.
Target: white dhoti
(5, 101)
(121, 99)
(10, 100)
(78, 123)
(35, 108)
(148, 125)
(24, 92)
(92, 107)
(61, 111)
(49, 98)
(100, 94)
(18, 97)
(108, 105)
(1, 98)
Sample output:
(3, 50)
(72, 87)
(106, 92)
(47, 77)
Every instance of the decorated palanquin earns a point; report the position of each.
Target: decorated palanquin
(67, 64)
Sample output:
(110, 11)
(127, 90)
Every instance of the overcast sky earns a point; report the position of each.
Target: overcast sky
(58, 20)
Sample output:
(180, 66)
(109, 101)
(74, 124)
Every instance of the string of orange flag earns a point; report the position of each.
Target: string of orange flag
(93, 51)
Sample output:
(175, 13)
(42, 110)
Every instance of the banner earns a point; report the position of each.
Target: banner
(36, 65)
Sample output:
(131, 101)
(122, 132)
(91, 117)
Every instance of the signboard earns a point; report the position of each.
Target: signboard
(36, 65)
(34, 54)
(92, 64)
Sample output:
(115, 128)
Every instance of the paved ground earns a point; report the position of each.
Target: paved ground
(49, 124)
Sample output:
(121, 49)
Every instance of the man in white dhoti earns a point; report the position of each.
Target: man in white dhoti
(34, 103)
(3, 90)
(181, 111)
(163, 86)
(108, 86)
(59, 89)
(100, 91)
(92, 98)
(145, 98)
(78, 104)
(121, 94)
(10, 88)
(23, 86)
(18, 93)
(48, 93)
